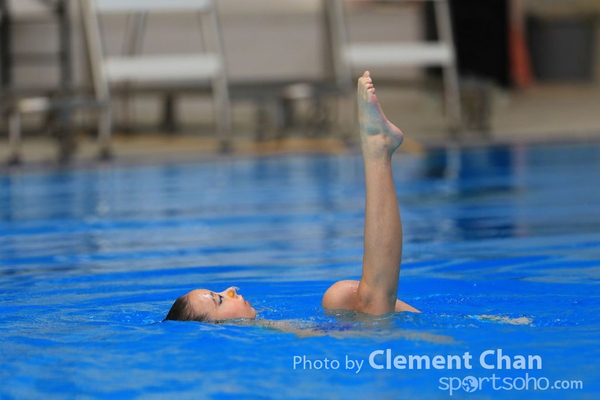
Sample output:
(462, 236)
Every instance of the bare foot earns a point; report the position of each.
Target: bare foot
(378, 135)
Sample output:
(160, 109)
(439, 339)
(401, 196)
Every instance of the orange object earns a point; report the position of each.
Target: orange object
(520, 62)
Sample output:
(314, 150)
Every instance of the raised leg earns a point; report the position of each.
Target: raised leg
(378, 287)
(377, 291)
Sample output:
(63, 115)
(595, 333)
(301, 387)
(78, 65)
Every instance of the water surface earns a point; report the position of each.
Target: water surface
(91, 260)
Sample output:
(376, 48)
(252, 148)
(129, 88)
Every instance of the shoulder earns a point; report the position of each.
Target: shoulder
(341, 295)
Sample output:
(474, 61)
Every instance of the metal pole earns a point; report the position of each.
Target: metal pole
(338, 37)
(132, 46)
(5, 46)
(66, 66)
(451, 84)
(101, 89)
(14, 136)
(221, 88)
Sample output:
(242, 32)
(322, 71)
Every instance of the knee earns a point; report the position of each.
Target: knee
(340, 296)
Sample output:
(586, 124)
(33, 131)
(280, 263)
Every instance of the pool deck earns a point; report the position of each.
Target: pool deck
(545, 113)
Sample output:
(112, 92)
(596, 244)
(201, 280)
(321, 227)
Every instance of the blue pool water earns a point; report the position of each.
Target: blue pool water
(91, 260)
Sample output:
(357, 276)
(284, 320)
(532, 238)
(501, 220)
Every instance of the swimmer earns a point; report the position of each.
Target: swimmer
(376, 292)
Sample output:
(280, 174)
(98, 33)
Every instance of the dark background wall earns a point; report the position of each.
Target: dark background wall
(481, 37)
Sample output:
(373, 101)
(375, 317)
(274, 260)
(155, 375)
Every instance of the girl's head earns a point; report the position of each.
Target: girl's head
(204, 305)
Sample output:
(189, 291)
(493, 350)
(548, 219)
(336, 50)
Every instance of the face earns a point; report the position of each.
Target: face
(223, 305)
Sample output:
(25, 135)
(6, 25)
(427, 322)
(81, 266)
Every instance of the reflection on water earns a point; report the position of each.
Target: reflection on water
(504, 191)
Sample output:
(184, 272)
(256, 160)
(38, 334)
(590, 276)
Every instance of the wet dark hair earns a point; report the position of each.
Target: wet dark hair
(182, 310)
